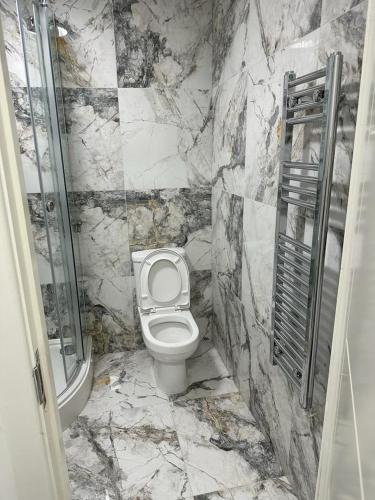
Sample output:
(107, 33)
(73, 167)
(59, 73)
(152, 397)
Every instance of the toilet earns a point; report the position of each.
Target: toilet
(169, 330)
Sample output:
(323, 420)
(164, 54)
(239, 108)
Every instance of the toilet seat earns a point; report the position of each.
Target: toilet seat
(165, 319)
(164, 281)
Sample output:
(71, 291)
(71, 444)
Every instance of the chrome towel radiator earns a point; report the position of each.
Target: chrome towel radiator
(298, 266)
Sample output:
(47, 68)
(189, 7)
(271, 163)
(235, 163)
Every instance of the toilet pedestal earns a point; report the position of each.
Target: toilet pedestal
(171, 377)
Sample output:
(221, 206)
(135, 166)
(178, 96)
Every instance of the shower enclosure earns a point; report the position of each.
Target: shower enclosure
(48, 196)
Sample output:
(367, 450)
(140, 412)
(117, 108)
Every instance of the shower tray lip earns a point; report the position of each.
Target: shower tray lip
(74, 398)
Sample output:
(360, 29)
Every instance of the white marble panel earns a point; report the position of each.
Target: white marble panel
(108, 313)
(274, 25)
(257, 260)
(166, 138)
(94, 139)
(164, 44)
(87, 52)
(100, 219)
(13, 44)
(332, 10)
(229, 129)
(170, 218)
(230, 25)
(345, 34)
(264, 117)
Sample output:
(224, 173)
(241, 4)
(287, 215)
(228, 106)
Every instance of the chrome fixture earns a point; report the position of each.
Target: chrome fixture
(298, 266)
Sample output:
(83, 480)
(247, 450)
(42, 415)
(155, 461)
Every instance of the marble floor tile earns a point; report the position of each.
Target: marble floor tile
(221, 445)
(135, 451)
(126, 380)
(207, 374)
(131, 442)
(123, 380)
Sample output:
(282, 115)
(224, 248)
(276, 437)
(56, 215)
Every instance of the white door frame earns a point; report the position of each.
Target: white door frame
(352, 243)
(32, 463)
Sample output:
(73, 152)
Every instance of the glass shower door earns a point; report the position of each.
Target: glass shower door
(47, 35)
(58, 280)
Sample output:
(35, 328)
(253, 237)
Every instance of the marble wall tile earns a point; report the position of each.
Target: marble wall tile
(332, 10)
(294, 432)
(166, 137)
(230, 332)
(257, 260)
(55, 307)
(229, 38)
(172, 217)
(227, 229)
(163, 44)
(93, 133)
(291, 43)
(107, 311)
(87, 52)
(48, 253)
(100, 219)
(201, 301)
(345, 34)
(29, 154)
(264, 100)
(13, 45)
(229, 134)
(273, 25)
(229, 329)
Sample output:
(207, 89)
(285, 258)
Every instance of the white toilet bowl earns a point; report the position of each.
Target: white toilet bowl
(169, 331)
(171, 338)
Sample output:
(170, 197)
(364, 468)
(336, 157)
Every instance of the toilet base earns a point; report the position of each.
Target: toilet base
(171, 377)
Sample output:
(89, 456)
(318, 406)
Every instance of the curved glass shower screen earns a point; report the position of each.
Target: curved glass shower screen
(49, 199)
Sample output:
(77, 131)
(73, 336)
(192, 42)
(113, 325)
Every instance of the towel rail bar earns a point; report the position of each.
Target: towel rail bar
(299, 267)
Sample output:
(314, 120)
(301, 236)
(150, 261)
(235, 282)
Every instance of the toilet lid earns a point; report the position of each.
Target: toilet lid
(164, 281)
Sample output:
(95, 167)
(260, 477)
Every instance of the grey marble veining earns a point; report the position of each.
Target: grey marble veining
(87, 53)
(134, 453)
(270, 489)
(172, 217)
(201, 300)
(229, 134)
(286, 37)
(13, 44)
(229, 328)
(55, 305)
(346, 34)
(94, 139)
(29, 158)
(258, 259)
(227, 224)
(163, 43)
(107, 312)
(229, 35)
(100, 220)
(274, 25)
(48, 253)
(131, 441)
(166, 137)
(221, 444)
(333, 10)
(264, 99)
